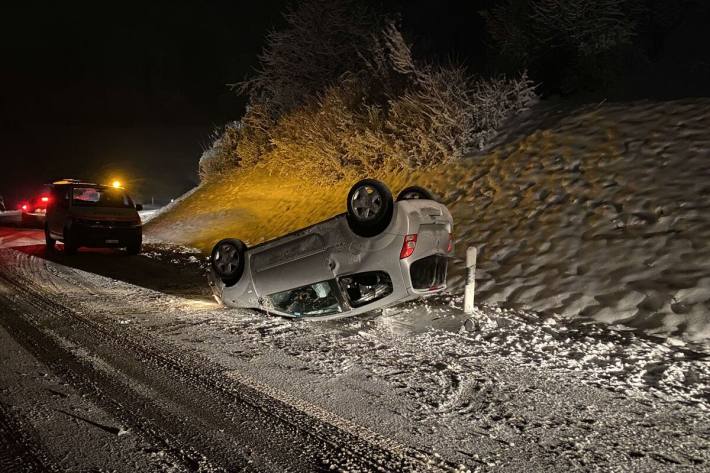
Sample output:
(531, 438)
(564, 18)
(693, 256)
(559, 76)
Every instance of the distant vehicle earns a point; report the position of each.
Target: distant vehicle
(33, 212)
(92, 215)
(377, 254)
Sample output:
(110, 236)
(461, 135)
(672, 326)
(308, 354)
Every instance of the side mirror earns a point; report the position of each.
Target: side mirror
(139, 207)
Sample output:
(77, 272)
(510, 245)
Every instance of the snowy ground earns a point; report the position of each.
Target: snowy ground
(596, 213)
(413, 386)
(603, 214)
(589, 350)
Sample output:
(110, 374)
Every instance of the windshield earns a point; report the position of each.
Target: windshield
(313, 300)
(100, 197)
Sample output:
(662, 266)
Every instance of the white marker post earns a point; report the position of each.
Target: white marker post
(471, 254)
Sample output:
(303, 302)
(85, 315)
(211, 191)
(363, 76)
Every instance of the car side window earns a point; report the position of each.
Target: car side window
(61, 197)
(317, 299)
(364, 288)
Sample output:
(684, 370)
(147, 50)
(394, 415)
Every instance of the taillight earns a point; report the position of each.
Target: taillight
(410, 242)
(24, 206)
(451, 243)
(45, 199)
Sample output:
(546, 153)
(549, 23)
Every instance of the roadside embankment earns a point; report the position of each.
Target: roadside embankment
(601, 212)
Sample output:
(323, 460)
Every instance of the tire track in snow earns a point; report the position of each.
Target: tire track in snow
(18, 451)
(328, 440)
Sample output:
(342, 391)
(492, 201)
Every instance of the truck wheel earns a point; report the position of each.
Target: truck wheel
(48, 240)
(370, 208)
(70, 247)
(135, 247)
(227, 260)
(415, 192)
(70, 243)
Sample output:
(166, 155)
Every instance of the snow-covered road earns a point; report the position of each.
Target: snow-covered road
(124, 363)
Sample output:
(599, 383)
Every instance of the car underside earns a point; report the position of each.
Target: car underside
(335, 268)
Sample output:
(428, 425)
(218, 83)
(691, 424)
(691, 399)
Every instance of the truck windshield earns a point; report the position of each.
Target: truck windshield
(100, 197)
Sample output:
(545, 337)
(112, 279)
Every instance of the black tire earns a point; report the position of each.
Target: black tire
(375, 214)
(70, 243)
(415, 192)
(227, 260)
(135, 247)
(48, 240)
(70, 248)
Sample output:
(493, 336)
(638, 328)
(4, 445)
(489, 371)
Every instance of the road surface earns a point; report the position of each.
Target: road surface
(115, 362)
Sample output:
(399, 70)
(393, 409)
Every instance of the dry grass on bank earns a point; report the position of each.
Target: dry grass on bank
(261, 203)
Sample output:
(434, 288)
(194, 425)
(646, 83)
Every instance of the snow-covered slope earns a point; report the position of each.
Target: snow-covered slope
(526, 394)
(601, 212)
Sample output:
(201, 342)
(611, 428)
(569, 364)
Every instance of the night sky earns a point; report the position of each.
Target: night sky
(97, 90)
(114, 89)
(104, 89)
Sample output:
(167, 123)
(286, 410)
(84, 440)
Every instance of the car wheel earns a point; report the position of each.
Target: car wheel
(227, 260)
(135, 247)
(415, 192)
(70, 244)
(48, 240)
(370, 207)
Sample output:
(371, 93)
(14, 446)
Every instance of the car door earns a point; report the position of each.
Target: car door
(294, 263)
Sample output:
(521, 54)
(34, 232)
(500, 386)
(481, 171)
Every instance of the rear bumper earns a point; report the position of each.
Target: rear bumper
(106, 237)
(426, 275)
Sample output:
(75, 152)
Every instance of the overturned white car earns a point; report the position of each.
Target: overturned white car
(377, 254)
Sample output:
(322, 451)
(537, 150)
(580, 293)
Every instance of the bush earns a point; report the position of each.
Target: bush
(569, 44)
(323, 40)
(443, 112)
(333, 136)
(255, 141)
(222, 155)
(589, 27)
(317, 114)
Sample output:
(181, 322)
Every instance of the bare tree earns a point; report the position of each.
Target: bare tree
(222, 155)
(340, 94)
(320, 43)
(586, 39)
(589, 26)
